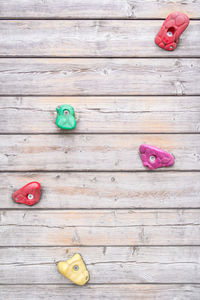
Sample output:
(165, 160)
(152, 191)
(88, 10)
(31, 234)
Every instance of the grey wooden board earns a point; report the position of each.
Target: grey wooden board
(105, 227)
(106, 190)
(105, 264)
(102, 114)
(106, 292)
(109, 203)
(128, 9)
(64, 76)
(97, 38)
(108, 152)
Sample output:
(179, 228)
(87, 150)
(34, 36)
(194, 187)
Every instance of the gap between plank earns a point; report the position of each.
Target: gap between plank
(101, 208)
(98, 171)
(99, 284)
(99, 96)
(98, 133)
(99, 57)
(96, 95)
(96, 246)
(97, 209)
(87, 18)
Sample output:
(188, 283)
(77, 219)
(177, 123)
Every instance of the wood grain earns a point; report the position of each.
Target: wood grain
(138, 231)
(100, 227)
(99, 38)
(107, 292)
(108, 9)
(102, 114)
(99, 76)
(68, 152)
(106, 190)
(105, 264)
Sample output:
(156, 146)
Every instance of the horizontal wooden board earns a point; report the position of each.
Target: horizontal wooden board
(128, 9)
(106, 190)
(100, 227)
(99, 38)
(105, 264)
(102, 114)
(106, 292)
(67, 152)
(70, 76)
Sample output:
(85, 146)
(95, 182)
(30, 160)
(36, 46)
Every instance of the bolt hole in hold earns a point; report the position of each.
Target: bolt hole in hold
(76, 268)
(152, 158)
(66, 112)
(30, 196)
(171, 31)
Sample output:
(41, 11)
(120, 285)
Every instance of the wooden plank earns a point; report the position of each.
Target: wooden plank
(105, 264)
(99, 76)
(106, 292)
(106, 190)
(102, 114)
(100, 227)
(67, 152)
(98, 38)
(87, 9)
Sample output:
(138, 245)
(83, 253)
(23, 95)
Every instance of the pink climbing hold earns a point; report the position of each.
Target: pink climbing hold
(153, 157)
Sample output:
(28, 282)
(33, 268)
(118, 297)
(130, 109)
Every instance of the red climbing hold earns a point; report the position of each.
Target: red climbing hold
(153, 157)
(28, 194)
(173, 26)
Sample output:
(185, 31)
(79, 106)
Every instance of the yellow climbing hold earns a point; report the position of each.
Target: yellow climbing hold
(74, 269)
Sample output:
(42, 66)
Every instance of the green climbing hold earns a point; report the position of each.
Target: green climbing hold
(66, 117)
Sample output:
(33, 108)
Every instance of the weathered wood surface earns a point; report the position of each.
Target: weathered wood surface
(87, 9)
(70, 76)
(67, 152)
(105, 227)
(105, 264)
(106, 292)
(97, 38)
(138, 231)
(102, 114)
(106, 190)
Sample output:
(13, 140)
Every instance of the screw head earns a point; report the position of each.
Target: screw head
(76, 268)
(169, 33)
(30, 196)
(66, 112)
(152, 158)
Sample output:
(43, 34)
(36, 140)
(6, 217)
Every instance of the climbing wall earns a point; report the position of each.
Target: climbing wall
(137, 230)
